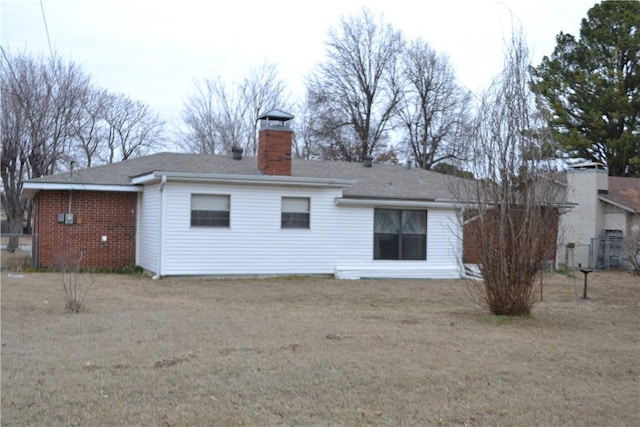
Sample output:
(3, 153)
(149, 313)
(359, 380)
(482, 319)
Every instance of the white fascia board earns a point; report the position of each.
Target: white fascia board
(31, 188)
(436, 203)
(618, 205)
(397, 203)
(243, 179)
(144, 179)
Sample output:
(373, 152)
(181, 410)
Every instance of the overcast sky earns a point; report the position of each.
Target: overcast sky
(154, 50)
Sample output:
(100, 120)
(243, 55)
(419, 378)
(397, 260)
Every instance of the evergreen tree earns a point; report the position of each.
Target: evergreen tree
(591, 88)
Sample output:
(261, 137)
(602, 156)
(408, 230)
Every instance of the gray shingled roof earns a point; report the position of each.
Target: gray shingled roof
(379, 181)
(624, 192)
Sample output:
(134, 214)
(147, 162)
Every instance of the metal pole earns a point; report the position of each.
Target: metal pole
(585, 271)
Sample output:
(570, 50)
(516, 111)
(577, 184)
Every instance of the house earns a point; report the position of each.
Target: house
(189, 214)
(606, 214)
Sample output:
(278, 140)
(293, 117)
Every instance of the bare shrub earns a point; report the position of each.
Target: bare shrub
(513, 243)
(512, 221)
(632, 250)
(74, 284)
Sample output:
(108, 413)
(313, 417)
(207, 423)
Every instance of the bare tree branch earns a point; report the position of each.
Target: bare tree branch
(133, 129)
(354, 93)
(39, 101)
(220, 116)
(434, 110)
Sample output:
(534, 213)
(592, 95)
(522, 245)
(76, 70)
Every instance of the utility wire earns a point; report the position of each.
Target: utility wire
(46, 28)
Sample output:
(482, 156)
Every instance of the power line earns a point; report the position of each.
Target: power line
(46, 28)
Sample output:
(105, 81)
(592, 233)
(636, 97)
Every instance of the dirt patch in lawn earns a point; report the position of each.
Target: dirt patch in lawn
(312, 351)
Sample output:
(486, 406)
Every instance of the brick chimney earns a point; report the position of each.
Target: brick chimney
(274, 143)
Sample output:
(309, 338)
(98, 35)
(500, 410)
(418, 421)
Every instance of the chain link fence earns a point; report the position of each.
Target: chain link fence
(25, 255)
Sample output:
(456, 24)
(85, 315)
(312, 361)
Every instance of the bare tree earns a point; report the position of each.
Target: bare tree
(133, 128)
(198, 117)
(219, 116)
(510, 225)
(306, 144)
(214, 118)
(90, 129)
(355, 91)
(39, 98)
(15, 149)
(433, 110)
(261, 90)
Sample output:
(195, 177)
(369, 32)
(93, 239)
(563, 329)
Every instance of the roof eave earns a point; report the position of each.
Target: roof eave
(399, 203)
(618, 205)
(30, 189)
(425, 203)
(155, 176)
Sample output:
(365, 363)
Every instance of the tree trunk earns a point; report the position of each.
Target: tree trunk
(15, 228)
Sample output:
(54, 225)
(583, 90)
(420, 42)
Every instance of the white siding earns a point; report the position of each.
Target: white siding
(443, 254)
(339, 240)
(616, 220)
(633, 224)
(149, 228)
(585, 221)
(444, 238)
(254, 244)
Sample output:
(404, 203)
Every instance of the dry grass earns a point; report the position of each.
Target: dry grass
(19, 260)
(312, 351)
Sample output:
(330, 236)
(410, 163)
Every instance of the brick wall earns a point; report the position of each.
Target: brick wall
(96, 214)
(472, 235)
(274, 152)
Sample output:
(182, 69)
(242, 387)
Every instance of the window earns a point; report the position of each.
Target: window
(295, 212)
(400, 234)
(209, 210)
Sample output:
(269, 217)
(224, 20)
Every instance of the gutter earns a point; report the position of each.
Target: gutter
(163, 181)
(242, 179)
(341, 201)
(435, 203)
(29, 189)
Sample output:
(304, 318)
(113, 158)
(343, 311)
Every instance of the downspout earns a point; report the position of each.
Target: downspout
(70, 202)
(163, 181)
(70, 190)
(35, 240)
(70, 194)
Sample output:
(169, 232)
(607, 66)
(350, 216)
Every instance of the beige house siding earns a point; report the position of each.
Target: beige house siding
(597, 213)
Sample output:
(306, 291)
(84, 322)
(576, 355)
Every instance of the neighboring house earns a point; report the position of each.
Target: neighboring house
(607, 213)
(188, 214)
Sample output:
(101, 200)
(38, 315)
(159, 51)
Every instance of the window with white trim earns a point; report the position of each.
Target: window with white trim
(295, 212)
(400, 234)
(210, 210)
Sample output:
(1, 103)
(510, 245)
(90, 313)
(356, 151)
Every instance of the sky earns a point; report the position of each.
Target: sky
(155, 50)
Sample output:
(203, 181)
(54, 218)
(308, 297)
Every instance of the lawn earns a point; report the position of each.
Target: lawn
(316, 351)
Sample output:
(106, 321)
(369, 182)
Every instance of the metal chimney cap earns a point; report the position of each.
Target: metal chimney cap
(275, 114)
